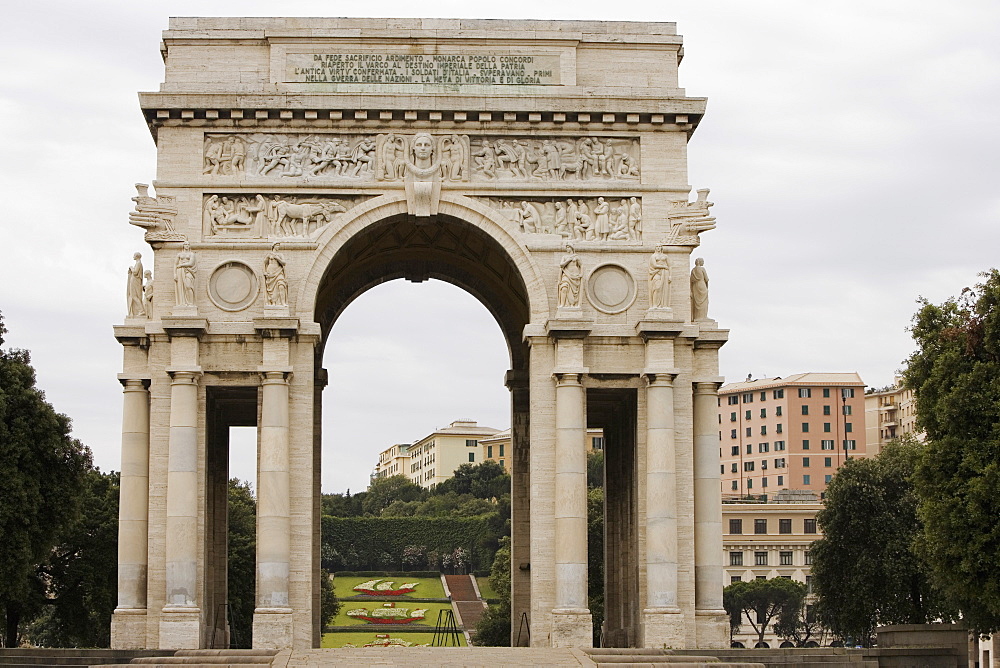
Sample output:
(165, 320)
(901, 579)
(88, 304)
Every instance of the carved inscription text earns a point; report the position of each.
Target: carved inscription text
(399, 68)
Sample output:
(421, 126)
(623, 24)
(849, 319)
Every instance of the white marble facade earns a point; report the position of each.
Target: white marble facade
(300, 162)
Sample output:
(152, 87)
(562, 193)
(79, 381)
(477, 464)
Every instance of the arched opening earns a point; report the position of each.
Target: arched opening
(459, 253)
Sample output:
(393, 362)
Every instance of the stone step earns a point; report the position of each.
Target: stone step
(678, 664)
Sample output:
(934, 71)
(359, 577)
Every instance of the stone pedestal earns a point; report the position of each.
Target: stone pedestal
(272, 628)
(180, 628)
(128, 629)
(663, 628)
(572, 628)
(711, 629)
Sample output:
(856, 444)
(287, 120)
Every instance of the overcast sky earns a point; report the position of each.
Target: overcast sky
(851, 148)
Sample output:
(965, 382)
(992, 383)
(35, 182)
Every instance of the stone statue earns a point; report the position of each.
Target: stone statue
(423, 177)
(570, 277)
(659, 279)
(275, 283)
(699, 291)
(147, 293)
(184, 274)
(136, 307)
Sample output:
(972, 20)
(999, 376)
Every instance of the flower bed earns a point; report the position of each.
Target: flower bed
(388, 614)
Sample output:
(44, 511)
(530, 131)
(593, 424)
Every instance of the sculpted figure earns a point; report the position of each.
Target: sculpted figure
(238, 154)
(602, 224)
(619, 222)
(213, 156)
(136, 307)
(506, 157)
(423, 184)
(147, 293)
(659, 279)
(184, 274)
(530, 221)
(560, 220)
(454, 148)
(486, 160)
(635, 219)
(570, 277)
(275, 283)
(699, 291)
(364, 157)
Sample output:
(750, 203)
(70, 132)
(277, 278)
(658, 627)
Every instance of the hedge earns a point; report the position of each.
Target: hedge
(377, 543)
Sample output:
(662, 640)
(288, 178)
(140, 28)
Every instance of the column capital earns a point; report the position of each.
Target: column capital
(131, 384)
(706, 386)
(564, 378)
(516, 379)
(184, 376)
(275, 376)
(664, 378)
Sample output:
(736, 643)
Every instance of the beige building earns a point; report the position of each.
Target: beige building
(890, 413)
(394, 460)
(435, 457)
(497, 447)
(769, 540)
(789, 433)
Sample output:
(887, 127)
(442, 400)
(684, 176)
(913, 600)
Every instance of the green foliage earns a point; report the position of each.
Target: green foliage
(865, 570)
(955, 373)
(761, 601)
(81, 591)
(595, 469)
(595, 558)
(329, 604)
(493, 629)
(43, 471)
(242, 564)
(487, 480)
(384, 491)
(342, 505)
(363, 540)
(798, 625)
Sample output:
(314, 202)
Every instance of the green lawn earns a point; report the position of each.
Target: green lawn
(426, 587)
(430, 618)
(485, 590)
(359, 639)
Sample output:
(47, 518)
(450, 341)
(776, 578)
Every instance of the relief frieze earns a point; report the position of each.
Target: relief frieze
(272, 216)
(555, 159)
(577, 219)
(281, 155)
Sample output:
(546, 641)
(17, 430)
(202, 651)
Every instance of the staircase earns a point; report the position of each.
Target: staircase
(466, 600)
(207, 658)
(614, 657)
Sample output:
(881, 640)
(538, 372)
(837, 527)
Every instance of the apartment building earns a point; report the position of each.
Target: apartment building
(394, 460)
(497, 447)
(789, 433)
(435, 457)
(769, 540)
(890, 413)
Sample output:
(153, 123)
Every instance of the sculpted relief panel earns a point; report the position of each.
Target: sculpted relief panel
(278, 155)
(555, 159)
(261, 217)
(579, 219)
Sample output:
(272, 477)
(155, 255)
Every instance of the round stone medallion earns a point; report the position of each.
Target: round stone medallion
(233, 286)
(611, 288)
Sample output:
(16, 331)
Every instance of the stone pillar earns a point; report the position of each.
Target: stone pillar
(272, 618)
(128, 624)
(180, 625)
(662, 619)
(711, 619)
(520, 520)
(572, 624)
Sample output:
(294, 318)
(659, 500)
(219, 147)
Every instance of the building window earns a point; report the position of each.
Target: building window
(847, 392)
(763, 465)
(748, 397)
(804, 393)
(805, 462)
(732, 434)
(781, 480)
(502, 465)
(501, 449)
(778, 428)
(809, 558)
(735, 558)
(777, 411)
(848, 427)
(762, 447)
(749, 448)
(748, 415)
(826, 445)
(785, 558)
(597, 442)
(735, 470)
(828, 462)
(748, 466)
(805, 444)
(735, 526)
(763, 481)
(734, 451)
(805, 427)
(749, 484)
(785, 526)
(732, 416)
(733, 486)
(847, 410)
(471, 442)
(826, 410)
(763, 397)
(735, 578)
(805, 409)
(850, 445)
(734, 399)
(779, 463)
(779, 394)
(760, 558)
(779, 446)
(806, 480)
(472, 457)
(827, 478)
(763, 430)
(749, 431)
(760, 526)
(809, 526)
(763, 412)
(826, 392)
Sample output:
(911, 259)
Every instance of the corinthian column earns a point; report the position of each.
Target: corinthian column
(572, 625)
(180, 626)
(708, 568)
(128, 624)
(663, 622)
(272, 623)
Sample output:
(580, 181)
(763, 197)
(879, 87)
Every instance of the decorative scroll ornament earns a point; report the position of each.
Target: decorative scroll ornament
(688, 220)
(155, 215)
(262, 217)
(555, 159)
(585, 219)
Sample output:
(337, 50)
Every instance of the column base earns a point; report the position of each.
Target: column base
(712, 629)
(272, 628)
(128, 628)
(572, 628)
(663, 628)
(180, 628)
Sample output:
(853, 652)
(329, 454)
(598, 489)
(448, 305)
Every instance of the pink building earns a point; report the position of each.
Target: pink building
(789, 433)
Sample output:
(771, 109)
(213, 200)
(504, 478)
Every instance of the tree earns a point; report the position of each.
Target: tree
(80, 579)
(43, 472)
(493, 628)
(383, 491)
(798, 625)
(761, 601)
(955, 374)
(487, 480)
(595, 469)
(329, 604)
(242, 561)
(865, 569)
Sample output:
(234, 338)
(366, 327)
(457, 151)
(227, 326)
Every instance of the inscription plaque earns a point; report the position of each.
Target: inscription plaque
(399, 68)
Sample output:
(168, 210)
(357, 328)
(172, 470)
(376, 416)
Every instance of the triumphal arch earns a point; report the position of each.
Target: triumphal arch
(539, 165)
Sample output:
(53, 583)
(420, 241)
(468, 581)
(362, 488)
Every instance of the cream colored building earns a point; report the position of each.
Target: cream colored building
(769, 540)
(789, 433)
(394, 460)
(497, 447)
(539, 165)
(890, 413)
(434, 458)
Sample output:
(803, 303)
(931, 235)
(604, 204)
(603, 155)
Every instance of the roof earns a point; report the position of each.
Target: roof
(800, 379)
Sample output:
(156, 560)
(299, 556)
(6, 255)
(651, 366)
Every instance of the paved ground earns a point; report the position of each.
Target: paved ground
(438, 657)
